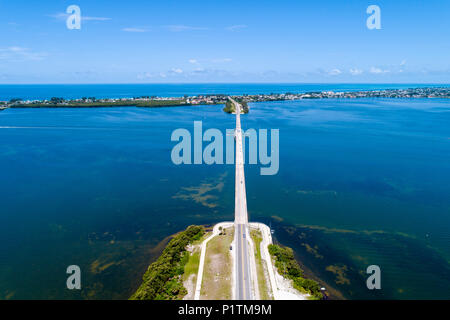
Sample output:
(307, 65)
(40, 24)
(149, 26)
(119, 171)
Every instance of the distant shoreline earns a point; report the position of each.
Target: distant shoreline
(216, 99)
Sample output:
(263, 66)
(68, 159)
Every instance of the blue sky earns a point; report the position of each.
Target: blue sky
(137, 41)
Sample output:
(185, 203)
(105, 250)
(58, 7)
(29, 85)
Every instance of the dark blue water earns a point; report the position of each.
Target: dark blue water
(47, 91)
(360, 182)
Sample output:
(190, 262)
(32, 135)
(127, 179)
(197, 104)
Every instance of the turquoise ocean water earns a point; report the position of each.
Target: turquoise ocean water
(72, 91)
(361, 182)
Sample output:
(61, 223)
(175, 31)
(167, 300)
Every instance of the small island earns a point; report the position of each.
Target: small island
(218, 99)
(230, 107)
(93, 102)
(163, 279)
(180, 274)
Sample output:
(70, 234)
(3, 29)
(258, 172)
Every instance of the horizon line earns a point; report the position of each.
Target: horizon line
(228, 83)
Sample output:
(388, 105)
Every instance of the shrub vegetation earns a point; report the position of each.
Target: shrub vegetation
(60, 103)
(289, 268)
(229, 106)
(163, 278)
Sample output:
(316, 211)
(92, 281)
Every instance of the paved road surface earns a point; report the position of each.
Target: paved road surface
(243, 279)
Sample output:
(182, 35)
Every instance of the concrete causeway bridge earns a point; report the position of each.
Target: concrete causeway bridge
(243, 279)
(245, 283)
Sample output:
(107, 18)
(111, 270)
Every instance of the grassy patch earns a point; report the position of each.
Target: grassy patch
(191, 266)
(262, 283)
(216, 283)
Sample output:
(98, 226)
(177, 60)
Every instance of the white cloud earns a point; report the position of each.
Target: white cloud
(402, 63)
(94, 18)
(334, 72)
(355, 71)
(146, 75)
(193, 61)
(172, 73)
(176, 70)
(236, 27)
(134, 30)
(198, 71)
(20, 54)
(60, 16)
(376, 70)
(179, 28)
(222, 60)
(64, 16)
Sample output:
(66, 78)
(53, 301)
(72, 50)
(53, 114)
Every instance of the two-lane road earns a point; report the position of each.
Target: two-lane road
(243, 283)
(242, 270)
